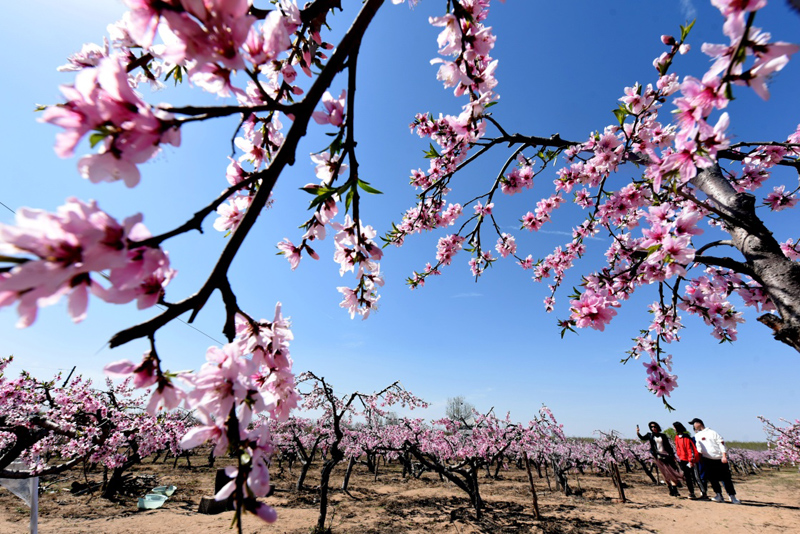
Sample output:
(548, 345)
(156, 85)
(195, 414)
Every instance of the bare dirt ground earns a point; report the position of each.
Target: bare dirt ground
(771, 503)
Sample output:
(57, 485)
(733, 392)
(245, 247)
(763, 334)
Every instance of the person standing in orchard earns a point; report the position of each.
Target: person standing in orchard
(688, 457)
(663, 455)
(714, 457)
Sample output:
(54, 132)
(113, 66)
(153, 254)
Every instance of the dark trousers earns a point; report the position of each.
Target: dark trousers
(700, 477)
(716, 472)
(688, 476)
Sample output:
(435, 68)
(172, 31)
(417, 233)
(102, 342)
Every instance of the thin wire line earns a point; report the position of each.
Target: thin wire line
(9, 209)
(193, 327)
(158, 305)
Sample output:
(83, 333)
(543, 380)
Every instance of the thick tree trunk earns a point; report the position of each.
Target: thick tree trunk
(324, 484)
(372, 465)
(475, 494)
(533, 488)
(466, 480)
(778, 275)
(112, 486)
(647, 471)
(349, 470)
(305, 465)
(498, 467)
(538, 466)
(547, 476)
(302, 477)
(561, 479)
(618, 481)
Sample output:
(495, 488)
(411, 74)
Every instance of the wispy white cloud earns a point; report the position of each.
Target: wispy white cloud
(568, 234)
(352, 341)
(688, 10)
(553, 232)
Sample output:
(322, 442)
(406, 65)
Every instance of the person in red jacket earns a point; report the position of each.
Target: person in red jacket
(688, 457)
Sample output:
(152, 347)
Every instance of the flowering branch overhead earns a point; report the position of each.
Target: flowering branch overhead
(675, 131)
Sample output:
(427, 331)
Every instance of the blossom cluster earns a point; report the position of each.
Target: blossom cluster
(465, 43)
(102, 103)
(251, 375)
(57, 254)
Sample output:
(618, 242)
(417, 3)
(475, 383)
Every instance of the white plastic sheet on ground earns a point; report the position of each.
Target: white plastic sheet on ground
(21, 487)
(26, 489)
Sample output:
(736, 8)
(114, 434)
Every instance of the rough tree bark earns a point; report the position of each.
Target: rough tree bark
(763, 259)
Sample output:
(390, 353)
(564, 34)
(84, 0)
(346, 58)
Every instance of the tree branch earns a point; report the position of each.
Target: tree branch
(52, 470)
(200, 113)
(778, 275)
(727, 263)
(285, 156)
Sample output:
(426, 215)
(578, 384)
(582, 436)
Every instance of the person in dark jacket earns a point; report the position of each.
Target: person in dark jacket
(663, 455)
(688, 457)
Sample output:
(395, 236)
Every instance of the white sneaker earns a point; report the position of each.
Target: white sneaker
(734, 500)
(718, 498)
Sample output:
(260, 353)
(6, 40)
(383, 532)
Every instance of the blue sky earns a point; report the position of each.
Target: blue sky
(562, 67)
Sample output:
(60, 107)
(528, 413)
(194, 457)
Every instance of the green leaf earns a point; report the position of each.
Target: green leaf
(336, 145)
(621, 114)
(490, 104)
(686, 29)
(176, 74)
(12, 259)
(431, 153)
(97, 137)
(729, 91)
(319, 199)
(323, 194)
(368, 188)
(342, 189)
(348, 200)
(567, 328)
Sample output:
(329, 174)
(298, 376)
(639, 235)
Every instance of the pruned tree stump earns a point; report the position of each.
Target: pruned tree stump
(211, 506)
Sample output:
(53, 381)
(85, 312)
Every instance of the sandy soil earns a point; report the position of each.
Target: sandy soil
(771, 503)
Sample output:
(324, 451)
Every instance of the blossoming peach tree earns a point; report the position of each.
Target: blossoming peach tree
(271, 64)
(784, 438)
(653, 219)
(337, 414)
(54, 427)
